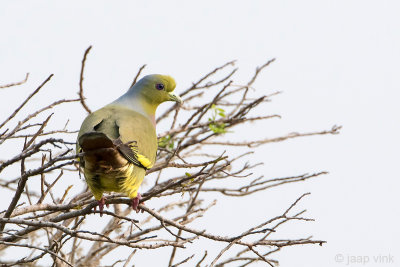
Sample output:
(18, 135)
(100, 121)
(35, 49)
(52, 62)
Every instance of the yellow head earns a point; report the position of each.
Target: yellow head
(156, 89)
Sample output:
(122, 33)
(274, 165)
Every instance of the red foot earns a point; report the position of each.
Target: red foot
(135, 202)
(101, 203)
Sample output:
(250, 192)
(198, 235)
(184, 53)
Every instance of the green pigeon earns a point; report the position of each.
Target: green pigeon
(119, 141)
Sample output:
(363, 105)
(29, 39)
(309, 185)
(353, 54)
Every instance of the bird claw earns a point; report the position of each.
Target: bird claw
(135, 203)
(101, 203)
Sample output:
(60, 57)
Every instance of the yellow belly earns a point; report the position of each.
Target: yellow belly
(126, 179)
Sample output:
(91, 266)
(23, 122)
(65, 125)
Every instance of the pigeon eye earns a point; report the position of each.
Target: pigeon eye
(159, 86)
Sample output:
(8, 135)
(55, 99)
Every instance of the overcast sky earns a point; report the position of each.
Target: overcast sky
(337, 62)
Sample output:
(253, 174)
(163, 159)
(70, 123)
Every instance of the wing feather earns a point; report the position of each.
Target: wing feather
(131, 132)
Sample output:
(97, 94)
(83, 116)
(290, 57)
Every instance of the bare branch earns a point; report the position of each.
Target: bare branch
(16, 83)
(81, 97)
(137, 75)
(334, 130)
(26, 101)
(52, 222)
(34, 247)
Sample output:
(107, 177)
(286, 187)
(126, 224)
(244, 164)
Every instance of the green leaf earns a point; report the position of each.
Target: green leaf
(166, 142)
(217, 128)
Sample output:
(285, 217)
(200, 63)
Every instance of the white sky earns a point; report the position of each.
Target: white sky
(338, 62)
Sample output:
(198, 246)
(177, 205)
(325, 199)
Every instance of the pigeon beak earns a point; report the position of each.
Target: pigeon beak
(174, 97)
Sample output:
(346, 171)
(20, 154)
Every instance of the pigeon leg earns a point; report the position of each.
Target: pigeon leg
(135, 202)
(101, 203)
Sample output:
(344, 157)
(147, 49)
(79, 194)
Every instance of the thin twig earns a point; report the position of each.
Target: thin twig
(26, 101)
(81, 97)
(137, 75)
(16, 83)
